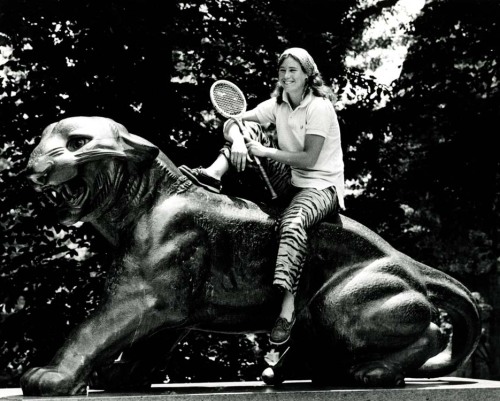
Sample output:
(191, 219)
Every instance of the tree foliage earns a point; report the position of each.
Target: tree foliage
(436, 157)
(421, 169)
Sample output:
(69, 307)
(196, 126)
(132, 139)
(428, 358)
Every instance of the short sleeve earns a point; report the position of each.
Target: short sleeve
(266, 111)
(320, 116)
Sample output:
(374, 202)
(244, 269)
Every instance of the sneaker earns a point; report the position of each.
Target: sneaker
(281, 331)
(199, 177)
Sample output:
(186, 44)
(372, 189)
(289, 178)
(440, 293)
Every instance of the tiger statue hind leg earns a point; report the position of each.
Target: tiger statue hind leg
(378, 322)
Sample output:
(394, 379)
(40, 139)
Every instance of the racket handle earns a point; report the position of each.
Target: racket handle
(262, 171)
(265, 178)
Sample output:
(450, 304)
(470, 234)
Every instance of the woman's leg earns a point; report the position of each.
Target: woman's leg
(210, 177)
(278, 173)
(308, 207)
(222, 163)
(218, 168)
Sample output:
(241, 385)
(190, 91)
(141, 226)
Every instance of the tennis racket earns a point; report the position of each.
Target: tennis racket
(230, 102)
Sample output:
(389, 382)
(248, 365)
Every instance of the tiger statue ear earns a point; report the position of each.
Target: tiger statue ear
(138, 150)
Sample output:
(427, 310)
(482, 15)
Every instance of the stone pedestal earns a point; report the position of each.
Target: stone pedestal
(442, 389)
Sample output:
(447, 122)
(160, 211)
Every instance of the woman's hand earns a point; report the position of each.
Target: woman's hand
(239, 154)
(257, 149)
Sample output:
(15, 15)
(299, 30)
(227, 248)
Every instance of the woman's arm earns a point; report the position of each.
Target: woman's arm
(250, 115)
(232, 133)
(303, 159)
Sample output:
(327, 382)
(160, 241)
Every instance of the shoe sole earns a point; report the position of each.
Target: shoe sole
(280, 343)
(185, 170)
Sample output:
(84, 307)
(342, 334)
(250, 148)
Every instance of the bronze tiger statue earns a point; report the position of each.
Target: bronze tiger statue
(188, 259)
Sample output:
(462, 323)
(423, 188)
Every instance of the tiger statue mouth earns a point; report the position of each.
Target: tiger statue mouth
(81, 198)
(69, 198)
(73, 194)
(81, 163)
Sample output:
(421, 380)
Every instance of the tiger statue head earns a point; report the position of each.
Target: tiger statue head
(83, 163)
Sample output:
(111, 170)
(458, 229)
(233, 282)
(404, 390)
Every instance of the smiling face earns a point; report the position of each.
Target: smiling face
(292, 77)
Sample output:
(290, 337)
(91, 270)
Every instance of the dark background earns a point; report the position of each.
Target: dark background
(423, 169)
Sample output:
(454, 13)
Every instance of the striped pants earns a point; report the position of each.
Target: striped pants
(303, 208)
(308, 207)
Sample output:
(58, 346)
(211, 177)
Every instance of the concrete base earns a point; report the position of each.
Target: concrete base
(441, 389)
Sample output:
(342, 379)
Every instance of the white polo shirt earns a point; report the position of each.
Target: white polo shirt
(314, 116)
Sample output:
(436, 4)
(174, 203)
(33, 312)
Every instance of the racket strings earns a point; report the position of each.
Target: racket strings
(228, 100)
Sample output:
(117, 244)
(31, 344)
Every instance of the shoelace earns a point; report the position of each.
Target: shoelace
(282, 323)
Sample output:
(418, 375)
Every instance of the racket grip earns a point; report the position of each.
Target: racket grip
(264, 175)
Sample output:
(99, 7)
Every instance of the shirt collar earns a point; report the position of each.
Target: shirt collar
(303, 103)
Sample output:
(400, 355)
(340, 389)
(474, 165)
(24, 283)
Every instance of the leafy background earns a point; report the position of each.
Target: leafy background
(421, 158)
